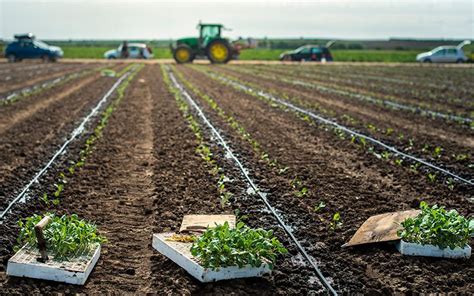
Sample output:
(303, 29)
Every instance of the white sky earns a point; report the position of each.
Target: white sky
(142, 19)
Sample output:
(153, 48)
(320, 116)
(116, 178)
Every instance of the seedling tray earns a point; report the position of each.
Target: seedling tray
(180, 254)
(75, 271)
(413, 249)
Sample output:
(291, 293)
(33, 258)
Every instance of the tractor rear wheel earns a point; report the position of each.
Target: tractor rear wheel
(183, 54)
(219, 52)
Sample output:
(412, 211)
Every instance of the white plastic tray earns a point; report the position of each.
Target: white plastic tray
(180, 254)
(75, 271)
(413, 249)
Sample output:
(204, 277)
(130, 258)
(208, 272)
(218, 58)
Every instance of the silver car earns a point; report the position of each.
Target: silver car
(444, 54)
(134, 51)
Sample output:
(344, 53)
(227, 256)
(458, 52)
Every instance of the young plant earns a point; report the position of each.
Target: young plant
(437, 152)
(437, 226)
(66, 236)
(222, 246)
(431, 177)
(336, 221)
(320, 206)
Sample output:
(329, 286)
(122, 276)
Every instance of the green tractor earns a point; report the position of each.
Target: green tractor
(209, 44)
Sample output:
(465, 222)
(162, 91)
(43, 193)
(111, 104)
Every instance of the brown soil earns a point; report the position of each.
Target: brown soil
(33, 129)
(452, 138)
(144, 175)
(349, 182)
(17, 80)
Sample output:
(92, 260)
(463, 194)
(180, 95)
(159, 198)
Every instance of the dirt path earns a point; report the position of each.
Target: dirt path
(122, 195)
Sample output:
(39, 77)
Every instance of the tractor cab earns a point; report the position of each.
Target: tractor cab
(209, 44)
(209, 32)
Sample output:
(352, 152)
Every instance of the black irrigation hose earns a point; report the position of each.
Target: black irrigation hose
(373, 100)
(41, 86)
(389, 103)
(340, 127)
(77, 131)
(324, 281)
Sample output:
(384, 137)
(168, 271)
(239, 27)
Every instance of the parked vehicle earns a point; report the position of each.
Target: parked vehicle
(25, 46)
(130, 51)
(308, 53)
(444, 54)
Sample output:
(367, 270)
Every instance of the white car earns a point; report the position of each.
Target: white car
(444, 54)
(135, 51)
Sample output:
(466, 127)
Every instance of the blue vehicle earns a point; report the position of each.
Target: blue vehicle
(26, 46)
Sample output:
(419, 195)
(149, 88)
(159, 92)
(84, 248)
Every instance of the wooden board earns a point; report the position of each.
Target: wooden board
(380, 228)
(206, 221)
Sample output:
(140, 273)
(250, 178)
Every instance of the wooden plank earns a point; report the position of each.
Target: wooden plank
(196, 222)
(380, 228)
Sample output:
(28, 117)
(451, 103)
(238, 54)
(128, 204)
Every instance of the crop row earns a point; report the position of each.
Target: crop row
(388, 152)
(453, 156)
(379, 93)
(249, 180)
(38, 88)
(51, 195)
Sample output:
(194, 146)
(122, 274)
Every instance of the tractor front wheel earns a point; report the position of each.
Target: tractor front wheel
(183, 54)
(219, 52)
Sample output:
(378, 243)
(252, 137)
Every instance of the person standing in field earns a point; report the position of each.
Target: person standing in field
(124, 52)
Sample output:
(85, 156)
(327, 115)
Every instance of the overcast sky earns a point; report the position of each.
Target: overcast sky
(142, 19)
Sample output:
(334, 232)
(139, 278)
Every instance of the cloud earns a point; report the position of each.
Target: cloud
(104, 19)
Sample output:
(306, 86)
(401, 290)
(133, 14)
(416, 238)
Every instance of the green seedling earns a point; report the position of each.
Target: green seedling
(336, 221)
(45, 198)
(340, 134)
(320, 206)
(414, 167)
(461, 157)
(302, 192)
(437, 226)
(222, 246)
(59, 189)
(389, 131)
(450, 183)
(425, 148)
(431, 177)
(399, 161)
(437, 152)
(386, 155)
(282, 171)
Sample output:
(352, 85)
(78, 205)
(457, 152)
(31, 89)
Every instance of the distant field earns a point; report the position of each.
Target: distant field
(91, 52)
(84, 52)
(375, 55)
(340, 55)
